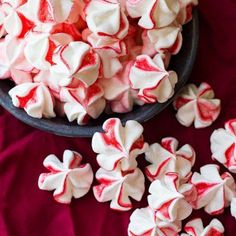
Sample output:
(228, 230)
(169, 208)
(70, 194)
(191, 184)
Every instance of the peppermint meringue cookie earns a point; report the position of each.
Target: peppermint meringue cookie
(75, 61)
(197, 105)
(51, 11)
(233, 207)
(195, 228)
(173, 202)
(13, 62)
(40, 47)
(185, 13)
(214, 191)
(81, 103)
(223, 143)
(153, 13)
(106, 18)
(119, 145)
(119, 186)
(118, 93)
(150, 77)
(165, 157)
(69, 178)
(15, 23)
(164, 39)
(110, 49)
(144, 222)
(34, 98)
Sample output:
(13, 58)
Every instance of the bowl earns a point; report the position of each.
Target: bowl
(181, 63)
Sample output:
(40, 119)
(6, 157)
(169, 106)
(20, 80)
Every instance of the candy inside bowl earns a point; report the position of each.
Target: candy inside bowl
(181, 63)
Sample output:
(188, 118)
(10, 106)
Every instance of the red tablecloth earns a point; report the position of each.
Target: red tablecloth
(26, 210)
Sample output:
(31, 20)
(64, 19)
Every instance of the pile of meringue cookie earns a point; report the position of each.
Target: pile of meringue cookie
(83, 57)
(175, 191)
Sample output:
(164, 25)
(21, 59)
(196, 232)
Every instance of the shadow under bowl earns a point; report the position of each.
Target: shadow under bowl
(181, 63)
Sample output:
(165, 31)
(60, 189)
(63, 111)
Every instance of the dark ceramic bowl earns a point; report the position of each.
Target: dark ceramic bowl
(181, 63)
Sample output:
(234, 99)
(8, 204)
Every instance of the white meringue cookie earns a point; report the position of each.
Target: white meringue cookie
(81, 103)
(153, 13)
(214, 191)
(171, 204)
(12, 61)
(119, 145)
(223, 143)
(69, 178)
(75, 61)
(118, 187)
(166, 158)
(168, 38)
(233, 207)
(197, 105)
(34, 98)
(149, 76)
(106, 18)
(195, 228)
(143, 222)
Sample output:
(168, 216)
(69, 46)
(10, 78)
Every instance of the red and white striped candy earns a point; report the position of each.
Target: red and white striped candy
(69, 178)
(214, 191)
(223, 143)
(151, 79)
(34, 98)
(195, 228)
(144, 222)
(197, 105)
(165, 157)
(119, 145)
(170, 199)
(118, 187)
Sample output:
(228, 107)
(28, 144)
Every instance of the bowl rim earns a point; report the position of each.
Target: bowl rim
(70, 130)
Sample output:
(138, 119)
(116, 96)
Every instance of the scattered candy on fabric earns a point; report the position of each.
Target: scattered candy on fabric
(119, 186)
(195, 228)
(223, 145)
(174, 201)
(144, 222)
(197, 105)
(214, 191)
(166, 158)
(69, 178)
(119, 145)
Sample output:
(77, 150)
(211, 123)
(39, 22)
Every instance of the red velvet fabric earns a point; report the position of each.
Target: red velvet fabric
(26, 210)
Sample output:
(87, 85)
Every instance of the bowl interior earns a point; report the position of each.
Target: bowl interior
(181, 63)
